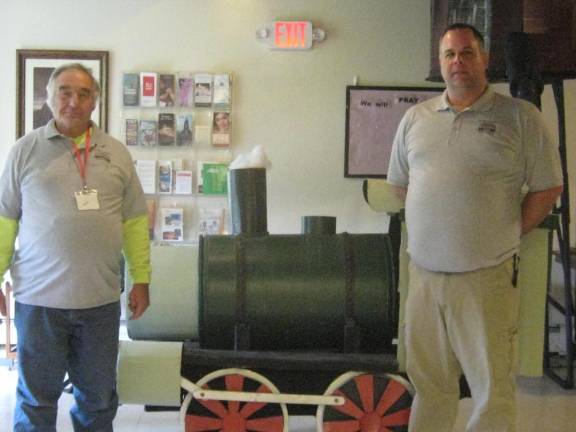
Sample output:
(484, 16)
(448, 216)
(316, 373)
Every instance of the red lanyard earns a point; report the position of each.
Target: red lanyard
(83, 164)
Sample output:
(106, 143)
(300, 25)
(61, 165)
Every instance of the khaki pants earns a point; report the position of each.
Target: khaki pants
(462, 323)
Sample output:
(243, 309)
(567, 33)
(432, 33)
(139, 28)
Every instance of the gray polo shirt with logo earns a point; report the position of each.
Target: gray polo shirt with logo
(68, 258)
(466, 173)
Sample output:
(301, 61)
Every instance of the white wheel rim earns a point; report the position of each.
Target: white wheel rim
(344, 378)
(232, 371)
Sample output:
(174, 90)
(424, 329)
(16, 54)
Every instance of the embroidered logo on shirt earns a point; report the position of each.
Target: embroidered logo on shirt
(101, 153)
(487, 128)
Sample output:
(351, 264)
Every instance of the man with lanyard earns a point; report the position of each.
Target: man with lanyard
(478, 170)
(71, 195)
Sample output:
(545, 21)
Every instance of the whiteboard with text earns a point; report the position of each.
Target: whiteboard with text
(372, 117)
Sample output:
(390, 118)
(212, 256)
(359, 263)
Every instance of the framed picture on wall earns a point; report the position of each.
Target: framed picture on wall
(33, 69)
(372, 117)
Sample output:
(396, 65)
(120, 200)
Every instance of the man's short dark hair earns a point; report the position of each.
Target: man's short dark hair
(463, 26)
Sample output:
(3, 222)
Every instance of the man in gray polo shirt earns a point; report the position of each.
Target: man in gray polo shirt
(70, 193)
(478, 170)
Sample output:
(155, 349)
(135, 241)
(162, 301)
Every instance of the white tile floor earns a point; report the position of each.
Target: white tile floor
(543, 407)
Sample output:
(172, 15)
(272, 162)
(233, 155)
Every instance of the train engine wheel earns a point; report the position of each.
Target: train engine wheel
(374, 403)
(233, 416)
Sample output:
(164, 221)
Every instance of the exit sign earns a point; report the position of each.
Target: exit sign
(289, 35)
(293, 35)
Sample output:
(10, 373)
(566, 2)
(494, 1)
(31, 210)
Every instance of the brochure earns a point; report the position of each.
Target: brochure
(182, 182)
(221, 99)
(185, 126)
(146, 171)
(172, 224)
(185, 92)
(221, 125)
(166, 90)
(212, 178)
(211, 221)
(131, 132)
(148, 133)
(203, 90)
(130, 89)
(166, 129)
(148, 89)
(165, 177)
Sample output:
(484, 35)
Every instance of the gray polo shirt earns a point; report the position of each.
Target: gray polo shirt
(465, 173)
(68, 258)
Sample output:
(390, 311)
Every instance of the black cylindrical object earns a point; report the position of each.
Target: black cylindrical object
(318, 225)
(297, 292)
(522, 68)
(247, 194)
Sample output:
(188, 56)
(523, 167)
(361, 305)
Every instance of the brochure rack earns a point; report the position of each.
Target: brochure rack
(178, 128)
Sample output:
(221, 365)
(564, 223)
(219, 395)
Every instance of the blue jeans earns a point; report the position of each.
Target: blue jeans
(53, 342)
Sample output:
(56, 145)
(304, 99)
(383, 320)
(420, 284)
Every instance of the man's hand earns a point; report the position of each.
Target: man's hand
(3, 300)
(138, 300)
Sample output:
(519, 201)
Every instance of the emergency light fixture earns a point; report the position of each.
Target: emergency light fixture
(290, 35)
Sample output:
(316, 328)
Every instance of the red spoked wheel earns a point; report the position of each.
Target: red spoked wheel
(232, 416)
(373, 403)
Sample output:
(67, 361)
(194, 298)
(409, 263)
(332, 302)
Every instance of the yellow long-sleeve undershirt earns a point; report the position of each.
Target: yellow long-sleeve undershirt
(8, 233)
(137, 248)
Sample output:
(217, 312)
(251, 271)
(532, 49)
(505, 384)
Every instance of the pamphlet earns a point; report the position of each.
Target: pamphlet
(131, 132)
(148, 89)
(148, 134)
(184, 128)
(203, 90)
(212, 178)
(172, 224)
(211, 221)
(146, 171)
(185, 92)
(130, 89)
(166, 90)
(165, 177)
(221, 99)
(166, 129)
(221, 125)
(182, 182)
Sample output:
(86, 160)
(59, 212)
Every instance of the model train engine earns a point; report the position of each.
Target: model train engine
(301, 321)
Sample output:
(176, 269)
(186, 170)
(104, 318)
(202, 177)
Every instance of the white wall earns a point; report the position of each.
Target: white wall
(293, 103)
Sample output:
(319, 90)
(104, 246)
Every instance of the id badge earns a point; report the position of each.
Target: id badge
(87, 199)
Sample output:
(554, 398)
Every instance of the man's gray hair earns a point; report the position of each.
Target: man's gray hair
(50, 87)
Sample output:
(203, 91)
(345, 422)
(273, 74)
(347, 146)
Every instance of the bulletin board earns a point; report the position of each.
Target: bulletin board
(372, 117)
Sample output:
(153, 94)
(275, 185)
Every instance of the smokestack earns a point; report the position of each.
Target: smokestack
(321, 225)
(247, 195)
